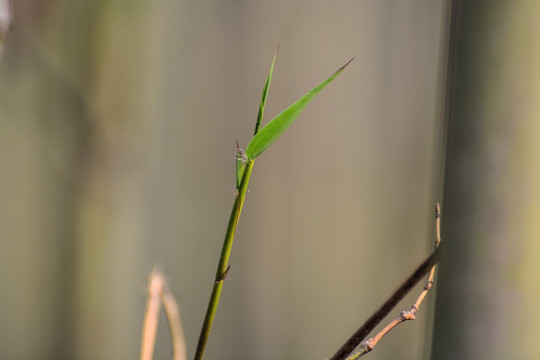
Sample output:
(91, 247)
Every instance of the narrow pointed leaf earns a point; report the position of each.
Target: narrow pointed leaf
(265, 94)
(271, 131)
(240, 164)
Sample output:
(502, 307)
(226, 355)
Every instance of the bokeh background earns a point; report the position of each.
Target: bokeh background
(118, 122)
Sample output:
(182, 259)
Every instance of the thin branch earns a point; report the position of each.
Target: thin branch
(158, 292)
(356, 339)
(437, 225)
(153, 305)
(410, 314)
(173, 316)
(223, 265)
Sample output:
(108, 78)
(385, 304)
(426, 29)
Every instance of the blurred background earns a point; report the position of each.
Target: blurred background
(118, 122)
(118, 129)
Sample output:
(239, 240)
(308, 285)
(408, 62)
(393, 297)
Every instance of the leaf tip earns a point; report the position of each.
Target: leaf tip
(348, 62)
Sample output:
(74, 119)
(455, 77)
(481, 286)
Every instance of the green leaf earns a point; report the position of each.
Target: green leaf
(265, 94)
(240, 164)
(271, 131)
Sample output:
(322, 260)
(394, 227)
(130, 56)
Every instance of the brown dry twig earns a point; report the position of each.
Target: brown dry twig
(410, 314)
(158, 293)
(151, 317)
(358, 337)
(173, 316)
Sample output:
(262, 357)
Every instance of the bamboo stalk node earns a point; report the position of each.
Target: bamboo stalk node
(223, 275)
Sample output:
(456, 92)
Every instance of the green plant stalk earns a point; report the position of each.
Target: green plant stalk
(222, 269)
(257, 145)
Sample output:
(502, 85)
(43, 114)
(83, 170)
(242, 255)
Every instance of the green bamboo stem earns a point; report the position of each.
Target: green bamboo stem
(257, 145)
(222, 268)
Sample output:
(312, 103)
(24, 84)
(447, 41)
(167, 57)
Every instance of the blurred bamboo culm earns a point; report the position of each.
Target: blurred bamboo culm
(488, 292)
(5, 22)
(117, 128)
